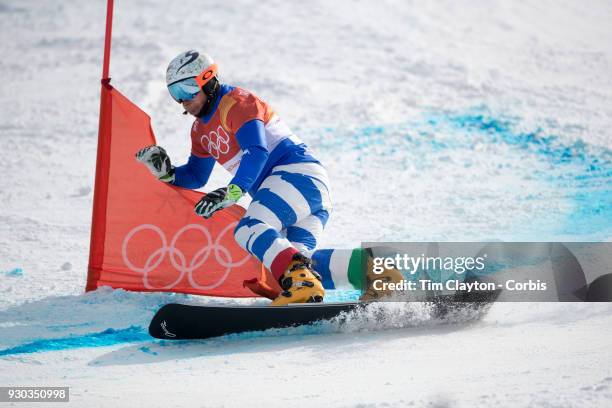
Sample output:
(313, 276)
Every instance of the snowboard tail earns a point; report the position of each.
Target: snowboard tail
(181, 322)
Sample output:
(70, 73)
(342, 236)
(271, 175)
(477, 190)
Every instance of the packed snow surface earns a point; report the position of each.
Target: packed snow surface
(438, 121)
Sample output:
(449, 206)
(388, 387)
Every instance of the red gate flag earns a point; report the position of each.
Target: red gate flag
(145, 234)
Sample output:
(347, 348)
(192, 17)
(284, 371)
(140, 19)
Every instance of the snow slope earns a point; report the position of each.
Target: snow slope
(446, 120)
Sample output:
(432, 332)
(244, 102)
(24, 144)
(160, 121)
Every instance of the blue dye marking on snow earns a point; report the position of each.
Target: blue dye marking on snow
(583, 172)
(14, 273)
(334, 296)
(147, 350)
(107, 337)
(580, 172)
(65, 327)
(501, 130)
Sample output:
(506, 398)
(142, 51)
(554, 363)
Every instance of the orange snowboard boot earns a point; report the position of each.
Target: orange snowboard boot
(300, 283)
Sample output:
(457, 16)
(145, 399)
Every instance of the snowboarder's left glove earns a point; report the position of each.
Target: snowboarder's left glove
(157, 161)
(217, 200)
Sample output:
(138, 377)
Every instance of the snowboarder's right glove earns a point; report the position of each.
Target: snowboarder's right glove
(217, 200)
(157, 161)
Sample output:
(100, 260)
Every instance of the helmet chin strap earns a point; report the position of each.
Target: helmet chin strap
(211, 89)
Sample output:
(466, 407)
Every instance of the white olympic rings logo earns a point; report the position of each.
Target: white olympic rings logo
(216, 142)
(177, 257)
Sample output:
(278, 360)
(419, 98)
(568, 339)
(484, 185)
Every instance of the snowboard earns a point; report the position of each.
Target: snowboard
(182, 322)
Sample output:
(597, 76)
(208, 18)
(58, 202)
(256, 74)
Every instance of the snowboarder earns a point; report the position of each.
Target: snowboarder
(289, 187)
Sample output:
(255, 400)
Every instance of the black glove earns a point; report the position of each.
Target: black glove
(217, 200)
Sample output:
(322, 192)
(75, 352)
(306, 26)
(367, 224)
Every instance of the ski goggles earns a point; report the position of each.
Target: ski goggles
(187, 89)
(184, 90)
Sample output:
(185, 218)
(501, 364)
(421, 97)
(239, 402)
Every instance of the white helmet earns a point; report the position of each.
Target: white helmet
(189, 64)
(191, 72)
